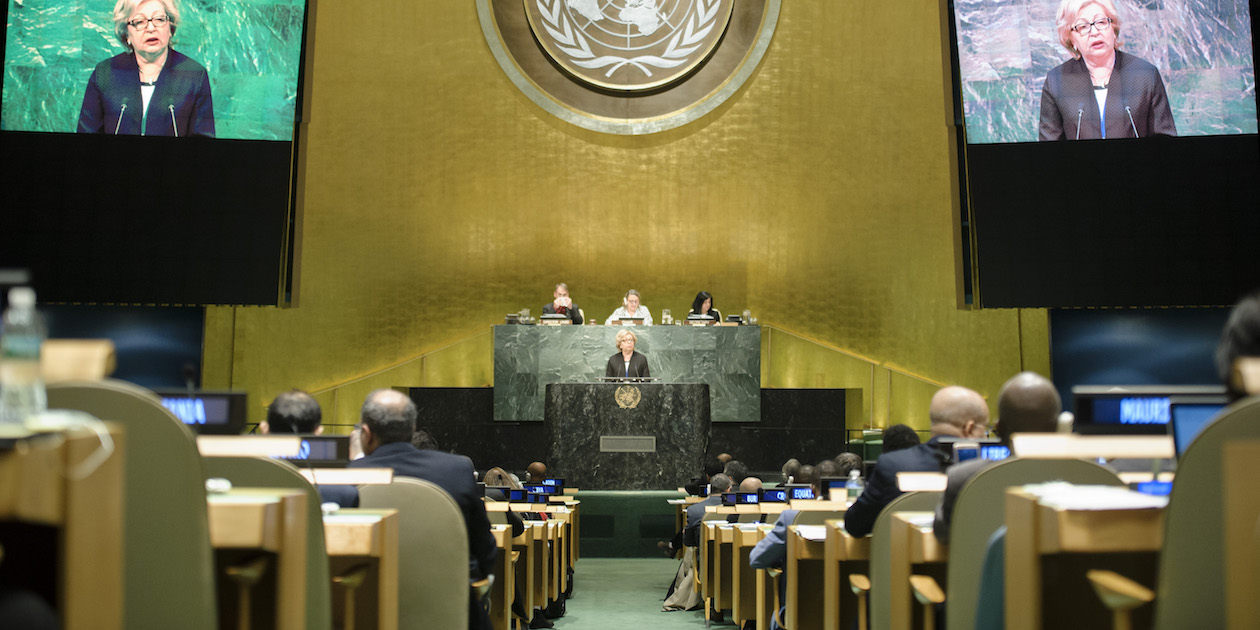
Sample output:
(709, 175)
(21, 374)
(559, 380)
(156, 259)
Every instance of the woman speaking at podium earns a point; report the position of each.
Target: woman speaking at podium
(1101, 92)
(627, 363)
(149, 90)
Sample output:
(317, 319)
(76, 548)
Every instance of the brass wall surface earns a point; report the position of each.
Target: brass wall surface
(438, 199)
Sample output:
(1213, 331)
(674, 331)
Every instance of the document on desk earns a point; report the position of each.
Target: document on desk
(1060, 495)
(816, 533)
(351, 519)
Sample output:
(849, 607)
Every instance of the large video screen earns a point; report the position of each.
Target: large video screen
(1108, 151)
(227, 69)
(152, 148)
(1038, 69)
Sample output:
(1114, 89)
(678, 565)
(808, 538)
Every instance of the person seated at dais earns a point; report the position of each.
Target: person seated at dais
(562, 304)
(630, 308)
(703, 305)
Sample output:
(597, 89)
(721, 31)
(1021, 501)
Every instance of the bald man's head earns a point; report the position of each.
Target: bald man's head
(959, 412)
(536, 472)
(1028, 403)
(750, 484)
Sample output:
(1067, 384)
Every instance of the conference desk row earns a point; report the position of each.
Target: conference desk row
(273, 521)
(42, 486)
(820, 559)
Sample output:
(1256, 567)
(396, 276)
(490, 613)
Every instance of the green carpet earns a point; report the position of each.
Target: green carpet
(625, 594)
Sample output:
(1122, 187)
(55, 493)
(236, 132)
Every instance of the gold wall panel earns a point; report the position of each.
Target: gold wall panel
(438, 198)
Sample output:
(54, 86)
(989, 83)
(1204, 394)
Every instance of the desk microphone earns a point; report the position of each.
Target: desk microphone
(174, 127)
(1079, 112)
(1134, 125)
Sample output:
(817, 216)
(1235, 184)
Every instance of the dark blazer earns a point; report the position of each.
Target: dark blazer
(1068, 97)
(695, 514)
(638, 366)
(957, 476)
(882, 488)
(452, 473)
(574, 313)
(181, 103)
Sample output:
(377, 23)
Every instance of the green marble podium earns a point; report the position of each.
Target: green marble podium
(627, 436)
(726, 358)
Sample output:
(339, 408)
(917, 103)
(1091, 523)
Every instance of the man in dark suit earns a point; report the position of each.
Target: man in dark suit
(388, 421)
(1027, 403)
(955, 411)
(562, 304)
(695, 512)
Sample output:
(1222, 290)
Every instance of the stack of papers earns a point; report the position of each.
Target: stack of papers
(1061, 495)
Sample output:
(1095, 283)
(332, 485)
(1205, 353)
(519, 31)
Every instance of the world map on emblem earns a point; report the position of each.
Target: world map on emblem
(629, 44)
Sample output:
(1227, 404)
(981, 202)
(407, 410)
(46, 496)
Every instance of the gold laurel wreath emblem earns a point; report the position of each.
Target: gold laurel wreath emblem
(628, 396)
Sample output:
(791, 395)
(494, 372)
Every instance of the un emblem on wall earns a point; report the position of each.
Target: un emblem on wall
(628, 66)
(628, 396)
(629, 44)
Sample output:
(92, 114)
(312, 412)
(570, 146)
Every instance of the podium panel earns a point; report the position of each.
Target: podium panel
(627, 436)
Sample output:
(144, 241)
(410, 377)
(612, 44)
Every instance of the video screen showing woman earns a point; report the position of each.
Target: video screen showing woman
(209, 68)
(151, 89)
(1032, 70)
(1101, 92)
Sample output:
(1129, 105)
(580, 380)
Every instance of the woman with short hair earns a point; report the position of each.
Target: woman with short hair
(149, 90)
(627, 363)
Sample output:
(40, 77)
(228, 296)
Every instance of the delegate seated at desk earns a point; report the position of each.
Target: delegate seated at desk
(703, 305)
(562, 304)
(627, 362)
(954, 411)
(630, 308)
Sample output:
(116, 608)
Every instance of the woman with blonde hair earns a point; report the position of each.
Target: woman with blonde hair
(1101, 92)
(627, 363)
(150, 89)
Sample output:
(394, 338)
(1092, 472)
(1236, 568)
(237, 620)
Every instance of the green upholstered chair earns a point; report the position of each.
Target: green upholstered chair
(168, 566)
(1193, 588)
(263, 472)
(978, 513)
(433, 548)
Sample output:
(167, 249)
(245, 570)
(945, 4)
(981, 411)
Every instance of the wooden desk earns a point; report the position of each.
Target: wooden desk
(806, 550)
(913, 543)
(723, 565)
(354, 537)
(744, 592)
(38, 487)
(505, 572)
(271, 520)
(843, 555)
(1035, 530)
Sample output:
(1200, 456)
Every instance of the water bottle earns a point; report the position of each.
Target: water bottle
(855, 485)
(22, 391)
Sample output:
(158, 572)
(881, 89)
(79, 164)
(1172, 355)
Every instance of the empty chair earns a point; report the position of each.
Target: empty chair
(979, 511)
(433, 548)
(168, 568)
(262, 472)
